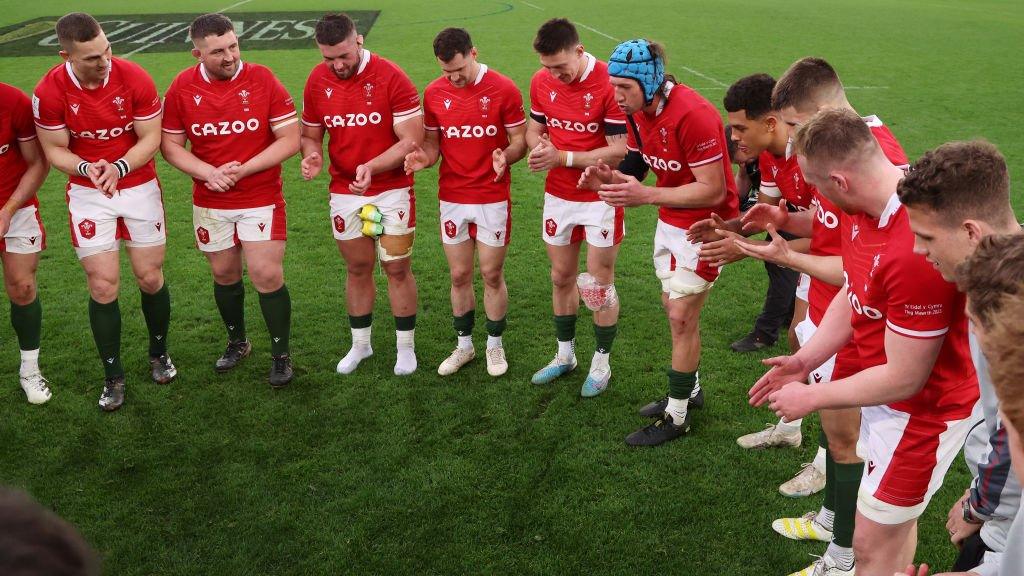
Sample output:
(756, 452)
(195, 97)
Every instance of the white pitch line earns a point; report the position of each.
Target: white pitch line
(705, 76)
(596, 31)
(866, 87)
(534, 6)
(144, 46)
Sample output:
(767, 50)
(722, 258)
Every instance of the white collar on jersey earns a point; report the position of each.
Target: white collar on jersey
(202, 72)
(591, 62)
(480, 74)
(872, 121)
(890, 209)
(664, 92)
(364, 59)
(71, 74)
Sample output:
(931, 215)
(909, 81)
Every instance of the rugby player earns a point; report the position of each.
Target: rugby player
(574, 123)
(915, 386)
(679, 135)
(371, 111)
(241, 124)
(958, 200)
(475, 123)
(810, 85)
(98, 120)
(23, 169)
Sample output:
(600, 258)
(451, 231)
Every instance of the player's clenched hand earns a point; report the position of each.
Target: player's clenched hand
(594, 176)
(312, 165)
(5, 221)
(416, 159)
(499, 162)
(544, 156)
(784, 369)
(222, 178)
(104, 176)
(777, 251)
(795, 400)
(362, 182)
(704, 230)
(761, 215)
(627, 191)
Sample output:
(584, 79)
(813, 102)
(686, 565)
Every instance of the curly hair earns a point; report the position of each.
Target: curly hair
(1004, 350)
(994, 269)
(753, 94)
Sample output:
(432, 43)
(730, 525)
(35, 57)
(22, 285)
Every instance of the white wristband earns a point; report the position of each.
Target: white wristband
(568, 159)
(123, 168)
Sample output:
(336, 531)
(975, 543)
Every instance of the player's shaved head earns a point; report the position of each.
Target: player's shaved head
(995, 268)
(752, 94)
(452, 41)
(76, 27)
(1005, 353)
(806, 85)
(334, 29)
(554, 36)
(961, 181)
(210, 25)
(834, 137)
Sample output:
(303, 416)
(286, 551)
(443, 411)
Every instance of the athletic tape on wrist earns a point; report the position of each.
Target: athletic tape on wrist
(568, 159)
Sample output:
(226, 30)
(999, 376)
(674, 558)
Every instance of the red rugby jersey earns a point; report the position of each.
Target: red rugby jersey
(781, 178)
(230, 120)
(471, 122)
(687, 132)
(15, 126)
(892, 288)
(101, 120)
(579, 116)
(359, 115)
(825, 237)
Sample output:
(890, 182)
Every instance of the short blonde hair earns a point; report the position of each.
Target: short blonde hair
(834, 136)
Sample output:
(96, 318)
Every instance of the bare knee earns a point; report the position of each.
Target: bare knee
(150, 281)
(21, 291)
(398, 271)
(563, 279)
(461, 277)
(102, 289)
(493, 277)
(682, 320)
(267, 278)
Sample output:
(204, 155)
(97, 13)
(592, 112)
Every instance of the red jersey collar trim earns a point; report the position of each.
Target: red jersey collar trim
(891, 208)
(74, 79)
(591, 63)
(202, 72)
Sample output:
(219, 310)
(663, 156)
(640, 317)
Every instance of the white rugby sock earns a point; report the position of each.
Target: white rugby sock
(493, 342)
(29, 362)
(676, 410)
(465, 342)
(819, 460)
(599, 361)
(791, 426)
(405, 361)
(359, 351)
(843, 556)
(567, 349)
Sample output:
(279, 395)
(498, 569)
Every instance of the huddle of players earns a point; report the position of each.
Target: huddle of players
(902, 387)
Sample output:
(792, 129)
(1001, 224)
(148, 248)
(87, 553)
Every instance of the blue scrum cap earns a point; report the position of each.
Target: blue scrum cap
(634, 59)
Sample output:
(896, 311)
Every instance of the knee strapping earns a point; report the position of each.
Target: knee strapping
(390, 247)
(684, 282)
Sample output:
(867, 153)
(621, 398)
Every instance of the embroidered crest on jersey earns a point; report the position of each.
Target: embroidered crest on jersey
(447, 103)
(119, 102)
(664, 137)
(328, 91)
(587, 99)
(74, 108)
(449, 228)
(87, 228)
(368, 92)
(198, 98)
(485, 106)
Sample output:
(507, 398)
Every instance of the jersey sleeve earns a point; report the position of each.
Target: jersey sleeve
(768, 187)
(920, 304)
(310, 117)
(21, 117)
(614, 117)
(172, 122)
(145, 100)
(404, 99)
(512, 113)
(700, 138)
(430, 121)
(282, 106)
(536, 102)
(48, 106)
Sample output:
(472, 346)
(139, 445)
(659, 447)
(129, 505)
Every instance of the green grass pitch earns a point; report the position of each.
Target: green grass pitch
(373, 474)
